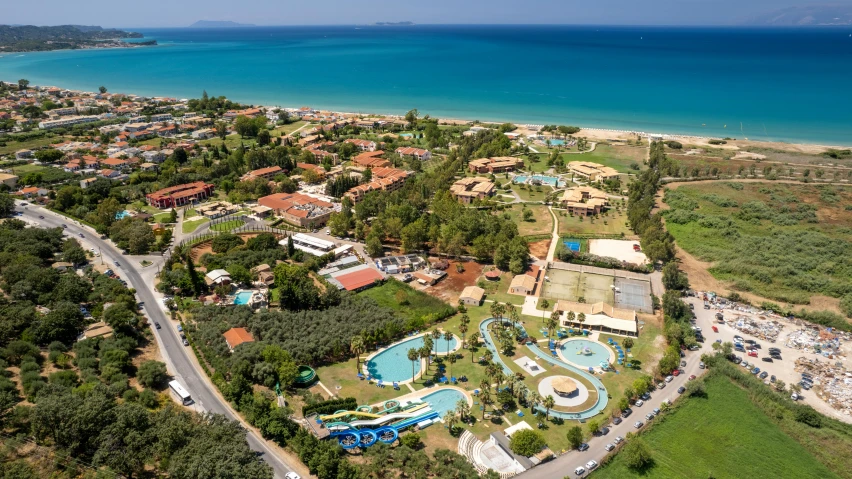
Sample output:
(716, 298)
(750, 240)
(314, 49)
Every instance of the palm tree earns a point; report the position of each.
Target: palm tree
(499, 379)
(474, 342)
(522, 391)
(463, 330)
(452, 360)
(534, 399)
(581, 318)
(451, 420)
(413, 355)
(426, 353)
(548, 403)
(551, 322)
(488, 356)
(484, 385)
(497, 311)
(509, 310)
(356, 346)
(570, 317)
(487, 400)
(628, 343)
(436, 335)
(448, 336)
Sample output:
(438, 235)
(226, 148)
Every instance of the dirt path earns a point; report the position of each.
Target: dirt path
(551, 252)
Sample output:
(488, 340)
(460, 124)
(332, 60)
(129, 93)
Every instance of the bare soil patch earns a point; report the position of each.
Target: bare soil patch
(449, 288)
(539, 249)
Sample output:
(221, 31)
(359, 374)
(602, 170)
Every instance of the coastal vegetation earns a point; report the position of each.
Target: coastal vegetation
(27, 38)
(798, 238)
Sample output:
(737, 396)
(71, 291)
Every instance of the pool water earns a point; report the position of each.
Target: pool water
(444, 400)
(545, 180)
(557, 142)
(392, 364)
(243, 297)
(599, 352)
(121, 215)
(519, 179)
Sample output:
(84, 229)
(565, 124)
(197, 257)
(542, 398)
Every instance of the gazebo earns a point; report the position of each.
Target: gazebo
(564, 386)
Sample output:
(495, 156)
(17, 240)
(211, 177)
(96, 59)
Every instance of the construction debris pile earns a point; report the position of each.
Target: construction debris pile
(826, 342)
(759, 326)
(833, 383)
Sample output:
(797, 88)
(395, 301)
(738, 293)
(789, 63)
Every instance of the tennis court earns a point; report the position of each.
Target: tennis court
(573, 285)
(633, 294)
(573, 245)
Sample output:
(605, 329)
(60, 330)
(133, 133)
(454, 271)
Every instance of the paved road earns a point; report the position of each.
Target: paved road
(176, 355)
(566, 464)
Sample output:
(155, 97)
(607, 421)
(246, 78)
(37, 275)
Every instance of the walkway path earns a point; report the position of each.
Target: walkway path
(555, 241)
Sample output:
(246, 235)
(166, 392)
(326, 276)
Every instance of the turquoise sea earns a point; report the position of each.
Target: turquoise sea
(779, 84)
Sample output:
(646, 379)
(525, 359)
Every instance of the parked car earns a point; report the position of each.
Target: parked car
(749, 341)
(292, 475)
(579, 471)
(583, 447)
(591, 464)
(185, 342)
(776, 357)
(649, 416)
(701, 365)
(639, 403)
(656, 410)
(180, 328)
(616, 421)
(738, 338)
(157, 325)
(766, 359)
(676, 372)
(755, 370)
(406, 278)
(669, 379)
(645, 397)
(609, 447)
(604, 431)
(638, 424)
(681, 389)
(794, 397)
(757, 346)
(772, 378)
(618, 439)
(661, 385)
(683, 364)
(752, 353)
(763, 375)
(626, 413)
(691, 377)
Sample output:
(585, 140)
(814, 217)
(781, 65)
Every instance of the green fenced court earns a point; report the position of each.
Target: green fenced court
(573, 285)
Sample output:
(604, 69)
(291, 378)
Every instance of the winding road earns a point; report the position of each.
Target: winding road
(177, 357)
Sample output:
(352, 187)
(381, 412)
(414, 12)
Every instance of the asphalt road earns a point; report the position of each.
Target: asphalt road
(173, 350)
(566, 464)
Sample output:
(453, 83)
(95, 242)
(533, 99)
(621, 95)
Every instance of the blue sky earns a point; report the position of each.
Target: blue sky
(177, 13)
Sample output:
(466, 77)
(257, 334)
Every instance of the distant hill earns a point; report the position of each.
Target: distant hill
(24, 38)
(393, 24)
(812, 15)
(219, 24)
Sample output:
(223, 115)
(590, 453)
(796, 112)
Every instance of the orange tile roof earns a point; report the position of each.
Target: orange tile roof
(236, 336)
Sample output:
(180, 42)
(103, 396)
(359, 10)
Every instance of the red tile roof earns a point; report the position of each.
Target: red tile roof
(236, 336)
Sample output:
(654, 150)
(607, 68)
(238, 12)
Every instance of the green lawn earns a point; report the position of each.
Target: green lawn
(723, 436)
(162, 217)
(26, 169)
(541, 222)
(13, 146)
(227, 225)
(613, 222)
(405, 300)
(190, 226)
(619, 157)
(532, 193)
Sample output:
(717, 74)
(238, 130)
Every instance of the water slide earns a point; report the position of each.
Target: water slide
(352, 438)
(340, 414)
(413, 412)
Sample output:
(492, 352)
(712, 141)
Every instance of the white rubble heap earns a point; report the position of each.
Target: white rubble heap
(832, 382)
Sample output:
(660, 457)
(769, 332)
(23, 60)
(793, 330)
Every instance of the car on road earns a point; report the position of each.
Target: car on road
(579, 471)
(591, 464)
(583, 447)
(676, 372)
(701, 365)
(755, 370)
(180, 328)
(681, 389)
(763, 375)
(638, 424)
(116, 263)
(656, 410)
(649, 416)
(691, 377)
(661, 385)
(616, 421)
(609, 447)
(157, 325)
(626, 413)
(292, 475)
(41, 217)
(715, 329)
(618, 439)
(639, 403)
(766, 359)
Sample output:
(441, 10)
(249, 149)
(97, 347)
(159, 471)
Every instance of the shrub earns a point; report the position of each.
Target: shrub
(527, 442)
(148, 398)
(330, 406)
(151, 373)
(637, 454)
(411, 440)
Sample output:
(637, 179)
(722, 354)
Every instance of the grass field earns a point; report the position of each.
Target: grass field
(722, 436)
(532, 193)
(417, 303)
(13, 146)
(612, 222)
(798, 237)
(190, 226)
(620, 157)
(541, 223)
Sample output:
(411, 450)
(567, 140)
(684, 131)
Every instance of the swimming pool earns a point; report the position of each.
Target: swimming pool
(545, 180)
(243, 297)
(444, 400)
(121, 215)
(520, 179)
(392, 364)
(598, 352)
(557, 142)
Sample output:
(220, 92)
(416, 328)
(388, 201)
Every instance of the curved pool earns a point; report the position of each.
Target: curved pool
(444, 400)
(585, 353)
(392, 364)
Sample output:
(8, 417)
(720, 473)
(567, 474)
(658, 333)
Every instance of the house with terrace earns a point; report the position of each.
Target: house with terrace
(598, 317)
(584, 201)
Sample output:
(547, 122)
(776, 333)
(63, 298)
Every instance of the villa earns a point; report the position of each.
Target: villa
(298, 209)
(180, 195)
(363, 145)
(599, 317)
(584, 201)
(592, 171)
(523, 284)
(236, 336)
(495, 165)
(472, 296)
(467, 190)
(419, 153)
(265, 173)
(218, 277)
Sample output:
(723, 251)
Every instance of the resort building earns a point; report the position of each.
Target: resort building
(599, 317)
(363, 145)
(472, 296)
(495, 165)
(387, 179)
(218, 277)
(358, 278)
(298, 209)
(216, 209)
(265, 173)
(180, 195)
(65, 122)
(9, 180)
(467, 190)
(309, 244)
(419, 153)
(592, 171)
(236, 336)
(371, 159)
(320, 171)
(265, 275)
(584, 201)
(522, 284)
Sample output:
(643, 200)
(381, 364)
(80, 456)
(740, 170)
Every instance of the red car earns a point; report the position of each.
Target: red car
(715, 329)
(676, 372)
(692, 377)
(752, 353)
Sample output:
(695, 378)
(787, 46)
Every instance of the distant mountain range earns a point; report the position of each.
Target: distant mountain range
(812, 15)
(219, 24)
(394, 24)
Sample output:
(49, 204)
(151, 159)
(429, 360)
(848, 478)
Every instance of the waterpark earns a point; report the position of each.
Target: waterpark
(367, 425)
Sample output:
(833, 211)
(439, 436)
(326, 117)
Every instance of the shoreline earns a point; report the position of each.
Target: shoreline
(113, 46)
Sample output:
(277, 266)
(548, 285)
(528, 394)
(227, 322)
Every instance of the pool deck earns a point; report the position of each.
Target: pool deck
(561, 343)
(422, 360)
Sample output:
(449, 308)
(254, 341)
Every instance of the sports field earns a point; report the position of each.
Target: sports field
(633, 294)
(572, 285)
